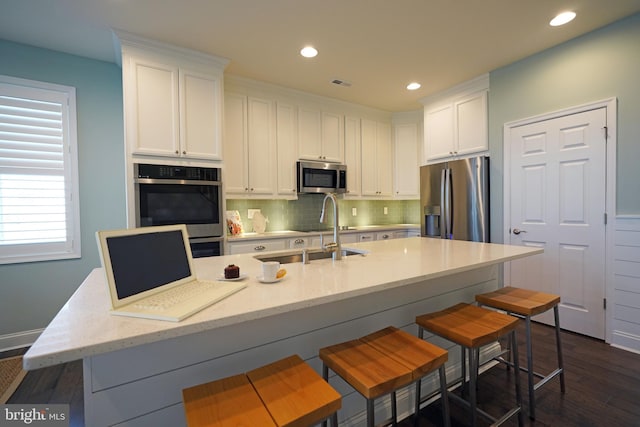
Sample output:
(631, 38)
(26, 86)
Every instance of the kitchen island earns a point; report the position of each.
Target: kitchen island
(135, 369)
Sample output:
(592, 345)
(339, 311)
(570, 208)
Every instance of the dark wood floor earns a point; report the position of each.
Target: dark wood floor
(603, 386)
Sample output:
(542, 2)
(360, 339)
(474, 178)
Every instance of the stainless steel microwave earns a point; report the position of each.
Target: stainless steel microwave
(320, 177)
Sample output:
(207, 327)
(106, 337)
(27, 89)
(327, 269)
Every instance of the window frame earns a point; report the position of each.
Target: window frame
(71, 247)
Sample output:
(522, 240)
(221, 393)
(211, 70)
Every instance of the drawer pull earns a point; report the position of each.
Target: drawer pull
(259, 248)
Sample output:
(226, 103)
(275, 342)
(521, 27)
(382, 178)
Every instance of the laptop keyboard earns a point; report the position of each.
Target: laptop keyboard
(177, 295)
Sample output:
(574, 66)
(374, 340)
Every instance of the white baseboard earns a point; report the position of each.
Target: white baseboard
(19, 339)
(626, 341)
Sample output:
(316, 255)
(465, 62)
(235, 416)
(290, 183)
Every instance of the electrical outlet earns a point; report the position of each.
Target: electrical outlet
(250, 213)
(385, 210)
(354, 211)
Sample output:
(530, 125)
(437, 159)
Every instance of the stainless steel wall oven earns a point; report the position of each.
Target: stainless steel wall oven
(182, 195)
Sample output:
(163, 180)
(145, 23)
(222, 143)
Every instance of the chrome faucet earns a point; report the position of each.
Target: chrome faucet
(335, 246)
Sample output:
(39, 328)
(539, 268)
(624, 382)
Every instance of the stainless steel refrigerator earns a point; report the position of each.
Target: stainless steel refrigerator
(454, 198)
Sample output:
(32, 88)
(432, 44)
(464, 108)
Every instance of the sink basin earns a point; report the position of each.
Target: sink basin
(288, 258)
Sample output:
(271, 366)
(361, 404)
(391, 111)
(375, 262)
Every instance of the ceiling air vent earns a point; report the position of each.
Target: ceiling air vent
(341, 82)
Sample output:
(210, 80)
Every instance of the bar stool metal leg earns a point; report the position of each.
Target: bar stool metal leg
(559, 347)
(473, 377)
(532, 397)
(463, 358)
(444, 398)
(370, 413)
(516, 369)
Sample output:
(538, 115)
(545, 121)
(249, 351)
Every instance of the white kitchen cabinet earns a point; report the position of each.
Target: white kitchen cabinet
(249, 149)
(320, 135)
(377, 158)
(172, 101)
(413, 232)
(299, 242)
(287, 150)
(345, 238)
(457, 124)
(367, 237)
(257, 246)
(352, 151)
(388, 235)
(406, 163)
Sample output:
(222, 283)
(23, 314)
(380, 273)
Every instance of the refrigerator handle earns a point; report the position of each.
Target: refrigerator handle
(444, 229)
(447, 205)
(443, 206)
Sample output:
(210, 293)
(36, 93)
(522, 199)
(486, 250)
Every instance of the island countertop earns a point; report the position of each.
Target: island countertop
(84, 327)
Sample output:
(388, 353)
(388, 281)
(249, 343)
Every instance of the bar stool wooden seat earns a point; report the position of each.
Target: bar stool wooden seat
(472, 327)
(287, 393)
(526, 303)
(380, 363)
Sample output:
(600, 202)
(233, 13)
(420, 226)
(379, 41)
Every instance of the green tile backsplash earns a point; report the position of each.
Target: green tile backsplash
(304, 214)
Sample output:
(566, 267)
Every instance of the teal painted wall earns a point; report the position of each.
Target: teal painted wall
(600, 65)
(32, 293)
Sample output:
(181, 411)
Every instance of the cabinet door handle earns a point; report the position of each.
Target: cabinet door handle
(177, 152)
(259, 248)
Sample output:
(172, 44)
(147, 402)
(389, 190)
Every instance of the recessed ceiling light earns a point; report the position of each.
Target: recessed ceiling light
(413, 86)
(308, 52)
(562, 19)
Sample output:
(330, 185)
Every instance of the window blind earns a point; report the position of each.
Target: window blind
(37, 212)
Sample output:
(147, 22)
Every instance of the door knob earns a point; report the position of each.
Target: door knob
(518, 231)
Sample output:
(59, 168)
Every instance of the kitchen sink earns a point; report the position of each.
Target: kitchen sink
(313, 254)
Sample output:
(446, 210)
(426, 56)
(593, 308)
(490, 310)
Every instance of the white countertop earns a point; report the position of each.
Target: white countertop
(84, 327)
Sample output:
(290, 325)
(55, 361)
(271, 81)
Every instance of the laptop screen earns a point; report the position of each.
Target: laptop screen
(141, 262)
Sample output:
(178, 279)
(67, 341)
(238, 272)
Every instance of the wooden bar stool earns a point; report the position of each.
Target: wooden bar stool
(287, 393)
(384, 361)
(295, 394)
(228, 402)
(525, 303)
(472, 327)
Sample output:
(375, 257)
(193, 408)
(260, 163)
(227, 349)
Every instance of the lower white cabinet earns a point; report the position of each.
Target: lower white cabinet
(386, 235)
(299, 242)
(328, 237)
(312, 240)
(257, 246)
(367, 237)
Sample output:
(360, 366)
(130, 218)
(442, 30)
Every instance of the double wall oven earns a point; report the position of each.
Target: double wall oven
(182, 195)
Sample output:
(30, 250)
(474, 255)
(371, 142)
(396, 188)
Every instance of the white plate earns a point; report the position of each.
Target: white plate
(241, 277)
(261, 279)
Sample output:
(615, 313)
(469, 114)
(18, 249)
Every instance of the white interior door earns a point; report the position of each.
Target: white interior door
(558, 201)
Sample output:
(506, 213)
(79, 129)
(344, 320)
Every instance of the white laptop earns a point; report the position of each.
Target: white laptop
(150, 274)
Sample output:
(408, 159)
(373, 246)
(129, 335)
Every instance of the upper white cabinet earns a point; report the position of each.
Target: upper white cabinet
(249, 148)
(456, 123)
(320, 135)
(287, 150)
(172, 100)
(352, 151)
(406, 166)
(377, 158)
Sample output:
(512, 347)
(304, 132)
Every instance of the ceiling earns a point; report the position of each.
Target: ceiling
(379, 46)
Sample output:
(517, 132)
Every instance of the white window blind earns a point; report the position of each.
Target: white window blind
(39, 217)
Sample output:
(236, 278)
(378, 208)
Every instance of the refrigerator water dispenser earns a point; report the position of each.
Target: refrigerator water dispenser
(432, 221)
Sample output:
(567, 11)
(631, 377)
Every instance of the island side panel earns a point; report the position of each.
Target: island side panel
(143, 384)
